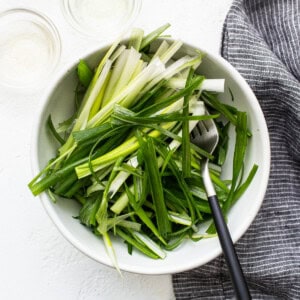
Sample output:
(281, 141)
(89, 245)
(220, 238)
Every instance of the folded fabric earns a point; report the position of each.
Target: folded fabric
(261, 39)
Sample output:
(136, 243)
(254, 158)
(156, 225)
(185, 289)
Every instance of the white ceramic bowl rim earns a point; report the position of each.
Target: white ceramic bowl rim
(171, 268)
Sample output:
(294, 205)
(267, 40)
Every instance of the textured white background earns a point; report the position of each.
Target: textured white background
(36, 262)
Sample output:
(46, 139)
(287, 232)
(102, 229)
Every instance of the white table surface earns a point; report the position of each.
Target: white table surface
(36, 262)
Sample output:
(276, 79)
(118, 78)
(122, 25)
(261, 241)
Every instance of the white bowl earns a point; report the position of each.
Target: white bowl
(59, 102)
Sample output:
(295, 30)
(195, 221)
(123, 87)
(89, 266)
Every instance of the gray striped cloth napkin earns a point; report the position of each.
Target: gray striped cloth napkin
(261, 38)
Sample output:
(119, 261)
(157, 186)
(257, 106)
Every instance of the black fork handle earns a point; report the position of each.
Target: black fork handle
(235, 270)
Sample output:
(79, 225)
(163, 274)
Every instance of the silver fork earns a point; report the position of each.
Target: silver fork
(206, 136)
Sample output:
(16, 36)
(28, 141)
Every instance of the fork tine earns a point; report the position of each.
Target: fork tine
(201, 126)
(193, 134)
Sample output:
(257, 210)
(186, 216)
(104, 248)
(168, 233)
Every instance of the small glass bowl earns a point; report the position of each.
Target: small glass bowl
(101, 19)
(30, 48)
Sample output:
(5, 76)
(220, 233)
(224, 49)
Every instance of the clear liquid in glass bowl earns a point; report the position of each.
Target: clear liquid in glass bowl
(30, 48)
(101, 19)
